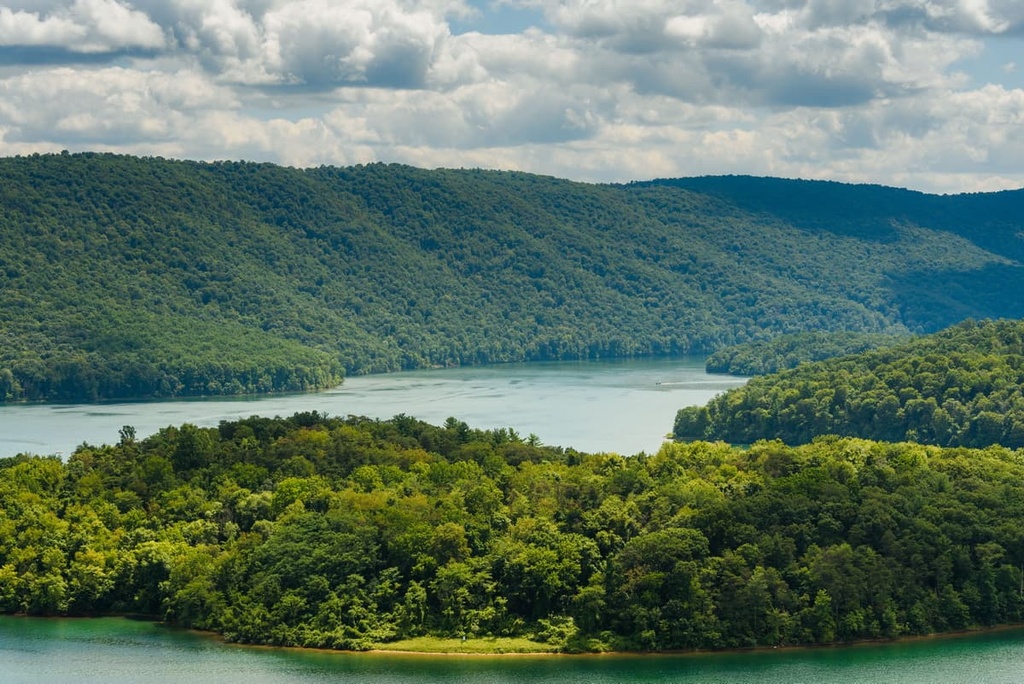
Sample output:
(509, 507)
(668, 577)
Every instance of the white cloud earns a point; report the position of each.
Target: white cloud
(25, 28)
(966, 15)
(114, 25)
(85, 26)
(474, 57)
(481, 115)
(320, 42)
(864, 90)
(106, 106)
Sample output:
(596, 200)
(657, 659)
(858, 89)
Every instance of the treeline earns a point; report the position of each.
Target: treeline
(164, 360)
(168, 268)
(317, 531)
(960, 387)
(789, 351)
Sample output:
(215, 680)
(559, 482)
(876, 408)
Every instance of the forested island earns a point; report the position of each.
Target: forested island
(127, 278)
(353, 533)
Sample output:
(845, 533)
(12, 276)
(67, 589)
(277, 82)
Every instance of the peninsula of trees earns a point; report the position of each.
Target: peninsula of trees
(789, 351)
(124, 277)
(963, 386)
(316, 531)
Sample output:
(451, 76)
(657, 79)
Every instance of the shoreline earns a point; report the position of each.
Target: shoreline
(752, 650)
(409, 653)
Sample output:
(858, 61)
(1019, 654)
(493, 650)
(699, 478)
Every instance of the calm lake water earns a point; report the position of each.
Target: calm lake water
(622, 406)
(44, 651)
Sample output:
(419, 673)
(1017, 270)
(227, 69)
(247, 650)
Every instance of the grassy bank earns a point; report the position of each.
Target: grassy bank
(484, 646)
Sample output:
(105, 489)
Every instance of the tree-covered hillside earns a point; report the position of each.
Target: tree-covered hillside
(333, 533)
(129, 277)
(789, 351)
(963, 386)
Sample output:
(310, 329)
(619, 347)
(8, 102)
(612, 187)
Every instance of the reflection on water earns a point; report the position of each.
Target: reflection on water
(623, 406)
(48, 651)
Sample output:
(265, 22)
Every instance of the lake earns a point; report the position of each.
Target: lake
(626, 406)
(52, 650)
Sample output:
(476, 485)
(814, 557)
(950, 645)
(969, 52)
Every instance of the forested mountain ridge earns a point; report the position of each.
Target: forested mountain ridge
(868, 211)
(130, 277)
(963, 386)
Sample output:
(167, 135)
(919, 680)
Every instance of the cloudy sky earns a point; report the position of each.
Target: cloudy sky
(926, 94)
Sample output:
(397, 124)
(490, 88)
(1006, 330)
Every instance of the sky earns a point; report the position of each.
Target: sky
(923, 94)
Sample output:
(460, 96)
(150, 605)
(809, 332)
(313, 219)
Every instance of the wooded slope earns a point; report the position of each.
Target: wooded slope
(129, 277)
(789, 351)
(963, 386)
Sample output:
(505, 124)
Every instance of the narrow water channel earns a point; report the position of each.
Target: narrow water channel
(625, 406)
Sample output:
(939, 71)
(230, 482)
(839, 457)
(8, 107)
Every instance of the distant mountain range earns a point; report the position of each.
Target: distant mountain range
(144, 277)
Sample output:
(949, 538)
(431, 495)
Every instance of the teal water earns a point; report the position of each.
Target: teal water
(51, 650)
(623, 406)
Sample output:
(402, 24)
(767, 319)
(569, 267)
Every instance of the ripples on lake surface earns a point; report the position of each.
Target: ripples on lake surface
(623, 406)
(51, 650)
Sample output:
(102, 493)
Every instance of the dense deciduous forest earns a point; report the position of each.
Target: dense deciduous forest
(960, 387)
(789, 351)
(325, 532)
(126, 277)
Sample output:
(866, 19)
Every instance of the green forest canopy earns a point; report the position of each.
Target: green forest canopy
(317, 531)
(960, 387)
(124, 277)
(789, 351)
